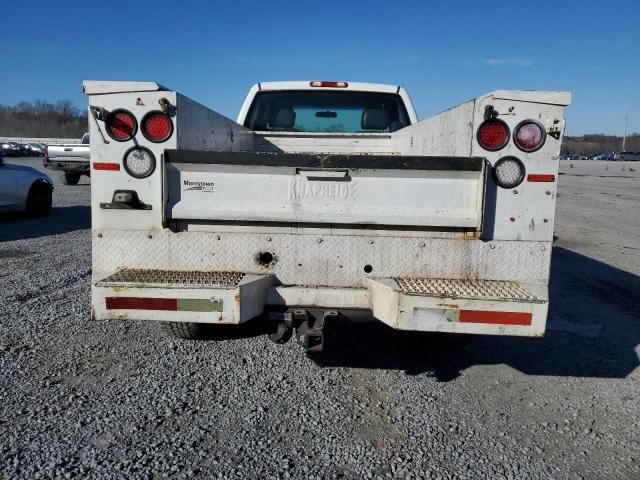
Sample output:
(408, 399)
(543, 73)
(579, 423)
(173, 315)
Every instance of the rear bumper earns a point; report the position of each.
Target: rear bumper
(79, 166)
(493, 308)
(467, 306)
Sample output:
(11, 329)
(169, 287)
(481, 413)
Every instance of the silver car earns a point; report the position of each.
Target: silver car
(24, 188)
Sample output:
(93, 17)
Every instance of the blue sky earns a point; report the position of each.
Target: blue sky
(443, 52)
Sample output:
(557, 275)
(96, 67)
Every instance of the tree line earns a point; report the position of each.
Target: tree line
(64, 120)
(597, 143)
(43, 119)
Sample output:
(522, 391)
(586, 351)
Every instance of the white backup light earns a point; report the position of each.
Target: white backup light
(508, 172)
(139, 162)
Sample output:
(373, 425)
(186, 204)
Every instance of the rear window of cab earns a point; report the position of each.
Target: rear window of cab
(327, 111)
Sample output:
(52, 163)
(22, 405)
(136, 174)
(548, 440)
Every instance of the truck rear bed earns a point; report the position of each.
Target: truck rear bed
(410, 225)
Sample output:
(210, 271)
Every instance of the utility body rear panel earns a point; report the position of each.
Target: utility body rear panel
(329, 221)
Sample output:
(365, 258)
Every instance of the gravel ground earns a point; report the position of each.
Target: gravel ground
(123, 400)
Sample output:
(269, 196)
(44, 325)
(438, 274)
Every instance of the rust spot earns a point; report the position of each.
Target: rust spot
(448, 305)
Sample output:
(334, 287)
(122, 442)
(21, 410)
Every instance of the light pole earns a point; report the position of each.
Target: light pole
(626, 122)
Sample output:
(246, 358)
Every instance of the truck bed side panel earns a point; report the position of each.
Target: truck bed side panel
(448, 133)
(199, 128)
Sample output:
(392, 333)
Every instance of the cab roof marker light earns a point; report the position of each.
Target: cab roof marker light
(318, 83)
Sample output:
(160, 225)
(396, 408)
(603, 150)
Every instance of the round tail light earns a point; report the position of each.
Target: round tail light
(529, 135)
(157, 127)
(121, 125)
(139, 162)
(493, 135)
(508, 172)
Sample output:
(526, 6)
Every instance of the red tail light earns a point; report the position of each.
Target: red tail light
(328, 84)
(493, 135)
(529, 135)
(46, 151)
(157, 127)
(121, 125)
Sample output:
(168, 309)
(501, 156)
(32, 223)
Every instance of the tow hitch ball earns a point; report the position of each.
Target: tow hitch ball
(310, 330)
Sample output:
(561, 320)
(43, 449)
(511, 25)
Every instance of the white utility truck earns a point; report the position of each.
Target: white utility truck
(322, 200)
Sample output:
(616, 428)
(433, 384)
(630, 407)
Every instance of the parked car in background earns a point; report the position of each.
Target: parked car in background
(9, 149)
(605, 156)
(627, 156)
(24, 188)
(72, 159)
(23, 150)
(35, 149)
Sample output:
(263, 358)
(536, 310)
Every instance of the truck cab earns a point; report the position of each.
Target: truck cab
(330, 107)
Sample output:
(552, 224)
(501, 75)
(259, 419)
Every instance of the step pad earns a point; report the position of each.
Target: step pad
(172, 279)
(467, 289)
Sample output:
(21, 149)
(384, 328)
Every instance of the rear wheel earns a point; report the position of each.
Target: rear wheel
(71, 177)
(188, 330)
(209, 331)
(39, 200)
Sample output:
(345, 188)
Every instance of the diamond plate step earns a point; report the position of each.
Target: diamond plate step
(467, 289)
(172, 279)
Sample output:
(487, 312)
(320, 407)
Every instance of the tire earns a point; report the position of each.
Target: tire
(208, 331)
(39, 200)
(187, 330)
(71, 177)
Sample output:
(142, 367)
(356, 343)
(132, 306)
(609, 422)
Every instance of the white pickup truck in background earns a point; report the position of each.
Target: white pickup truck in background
(324, 199)
(71, 159)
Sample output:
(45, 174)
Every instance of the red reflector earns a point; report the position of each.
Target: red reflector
(329, 84)
(121, 125)
(493, 135)
(500, 318)
(540, 177)
(113, 167)
(157, 127)
(140, 303)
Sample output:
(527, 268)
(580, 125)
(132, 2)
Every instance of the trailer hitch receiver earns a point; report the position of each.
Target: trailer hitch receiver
(310, 328)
